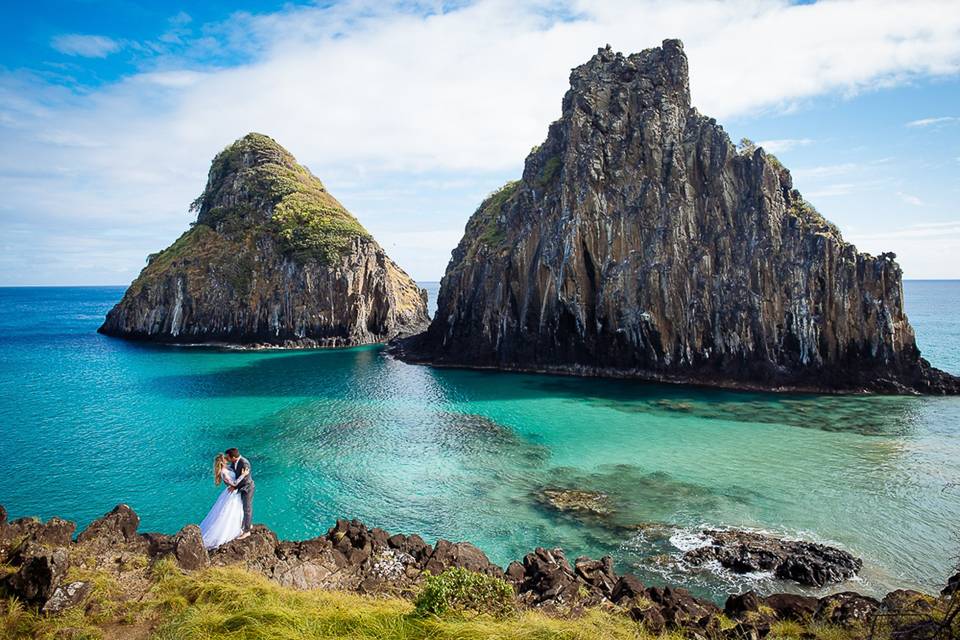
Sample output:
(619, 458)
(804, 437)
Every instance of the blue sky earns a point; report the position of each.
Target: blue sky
(110, 112)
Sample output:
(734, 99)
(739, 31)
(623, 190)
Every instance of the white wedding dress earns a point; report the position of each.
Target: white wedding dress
(225, 520)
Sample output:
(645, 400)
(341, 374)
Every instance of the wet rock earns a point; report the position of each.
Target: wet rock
(273, 260)
(40, 570)
(118, 527)
(847, 609)
(739, 605)
(639, 242)
(953, 585)
(804, 562)
(577, 500)
(188, 548)
(791, 606)
(67, 596)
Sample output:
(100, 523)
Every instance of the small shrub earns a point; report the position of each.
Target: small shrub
(463, 591)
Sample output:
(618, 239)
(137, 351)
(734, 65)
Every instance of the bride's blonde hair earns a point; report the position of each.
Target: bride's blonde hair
(218, 464)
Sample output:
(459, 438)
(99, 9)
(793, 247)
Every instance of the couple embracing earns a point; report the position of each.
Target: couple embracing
(232, 513)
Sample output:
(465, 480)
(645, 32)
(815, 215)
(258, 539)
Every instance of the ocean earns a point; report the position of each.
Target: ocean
(87, 422)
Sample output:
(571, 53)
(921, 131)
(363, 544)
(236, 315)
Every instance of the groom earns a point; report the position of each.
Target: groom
(245, 486)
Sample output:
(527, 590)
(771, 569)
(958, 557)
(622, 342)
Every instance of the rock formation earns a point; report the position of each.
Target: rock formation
(37, 559)
(273, 259)
(640, 242)
(804, 562)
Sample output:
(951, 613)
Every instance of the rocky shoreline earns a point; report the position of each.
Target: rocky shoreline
(37, 558)
(411, 349)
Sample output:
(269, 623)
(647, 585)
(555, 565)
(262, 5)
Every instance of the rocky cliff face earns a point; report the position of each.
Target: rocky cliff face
(273, 259)
(641, 242)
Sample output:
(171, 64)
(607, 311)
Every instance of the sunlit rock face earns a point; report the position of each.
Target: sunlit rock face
(272, 260)
(639, 242)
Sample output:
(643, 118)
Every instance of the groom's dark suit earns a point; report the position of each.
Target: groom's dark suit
(245, 487)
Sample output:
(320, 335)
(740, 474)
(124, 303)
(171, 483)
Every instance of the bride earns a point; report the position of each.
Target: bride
(225, 520)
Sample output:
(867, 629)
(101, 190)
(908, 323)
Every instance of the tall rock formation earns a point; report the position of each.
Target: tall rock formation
(640, 243)
(273, 259)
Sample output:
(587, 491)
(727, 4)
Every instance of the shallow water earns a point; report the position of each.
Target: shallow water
(88, 421)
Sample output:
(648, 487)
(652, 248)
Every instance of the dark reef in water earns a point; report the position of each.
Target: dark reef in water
(640, 242)
(37, 558)
(273, 260)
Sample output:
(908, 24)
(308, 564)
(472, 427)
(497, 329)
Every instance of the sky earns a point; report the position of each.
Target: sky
(411, 113)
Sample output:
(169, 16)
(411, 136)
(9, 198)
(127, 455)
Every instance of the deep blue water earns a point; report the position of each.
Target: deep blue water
(88, 421)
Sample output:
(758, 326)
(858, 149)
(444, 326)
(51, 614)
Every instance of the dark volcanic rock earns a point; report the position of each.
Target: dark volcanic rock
(3, 517)
(791, 606)
(847, 608)
(67, 596)
(953, 585)
(273, 260)
(40, 570)
(639, 242)
(739, 605)
(188, 548)
(804, 562)
(119, 526)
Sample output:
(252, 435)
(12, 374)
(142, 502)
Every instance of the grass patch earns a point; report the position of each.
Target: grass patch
(462, 591)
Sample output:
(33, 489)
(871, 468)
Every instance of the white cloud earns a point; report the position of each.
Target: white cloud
(783, 145)
(910, 199)
(926, 122)
(366, 92)
(86, 46)
(827, 171)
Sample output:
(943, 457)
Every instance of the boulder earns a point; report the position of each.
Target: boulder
(629, 588)
(66, 596)
(3, 517)
(548, 580)
(791, 606)
(118, 527)
(599, 574)
(681, 610)
(448, 554)
(908, 601)
(808, 563)
(650, 617)
(847, 608)
(737, 606)
(953, 585)
(41, 570)
(188, 548)
(56, 532)
(257, 552)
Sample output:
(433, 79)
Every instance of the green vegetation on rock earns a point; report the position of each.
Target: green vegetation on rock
(308, 221)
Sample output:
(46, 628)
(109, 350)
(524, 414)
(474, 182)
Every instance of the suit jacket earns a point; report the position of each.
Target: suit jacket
(245, 484)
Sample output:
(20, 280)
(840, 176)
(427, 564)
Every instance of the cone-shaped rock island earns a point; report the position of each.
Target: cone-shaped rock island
(640, 242)
(272, 260)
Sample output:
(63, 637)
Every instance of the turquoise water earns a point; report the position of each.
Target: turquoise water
(88, 421)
